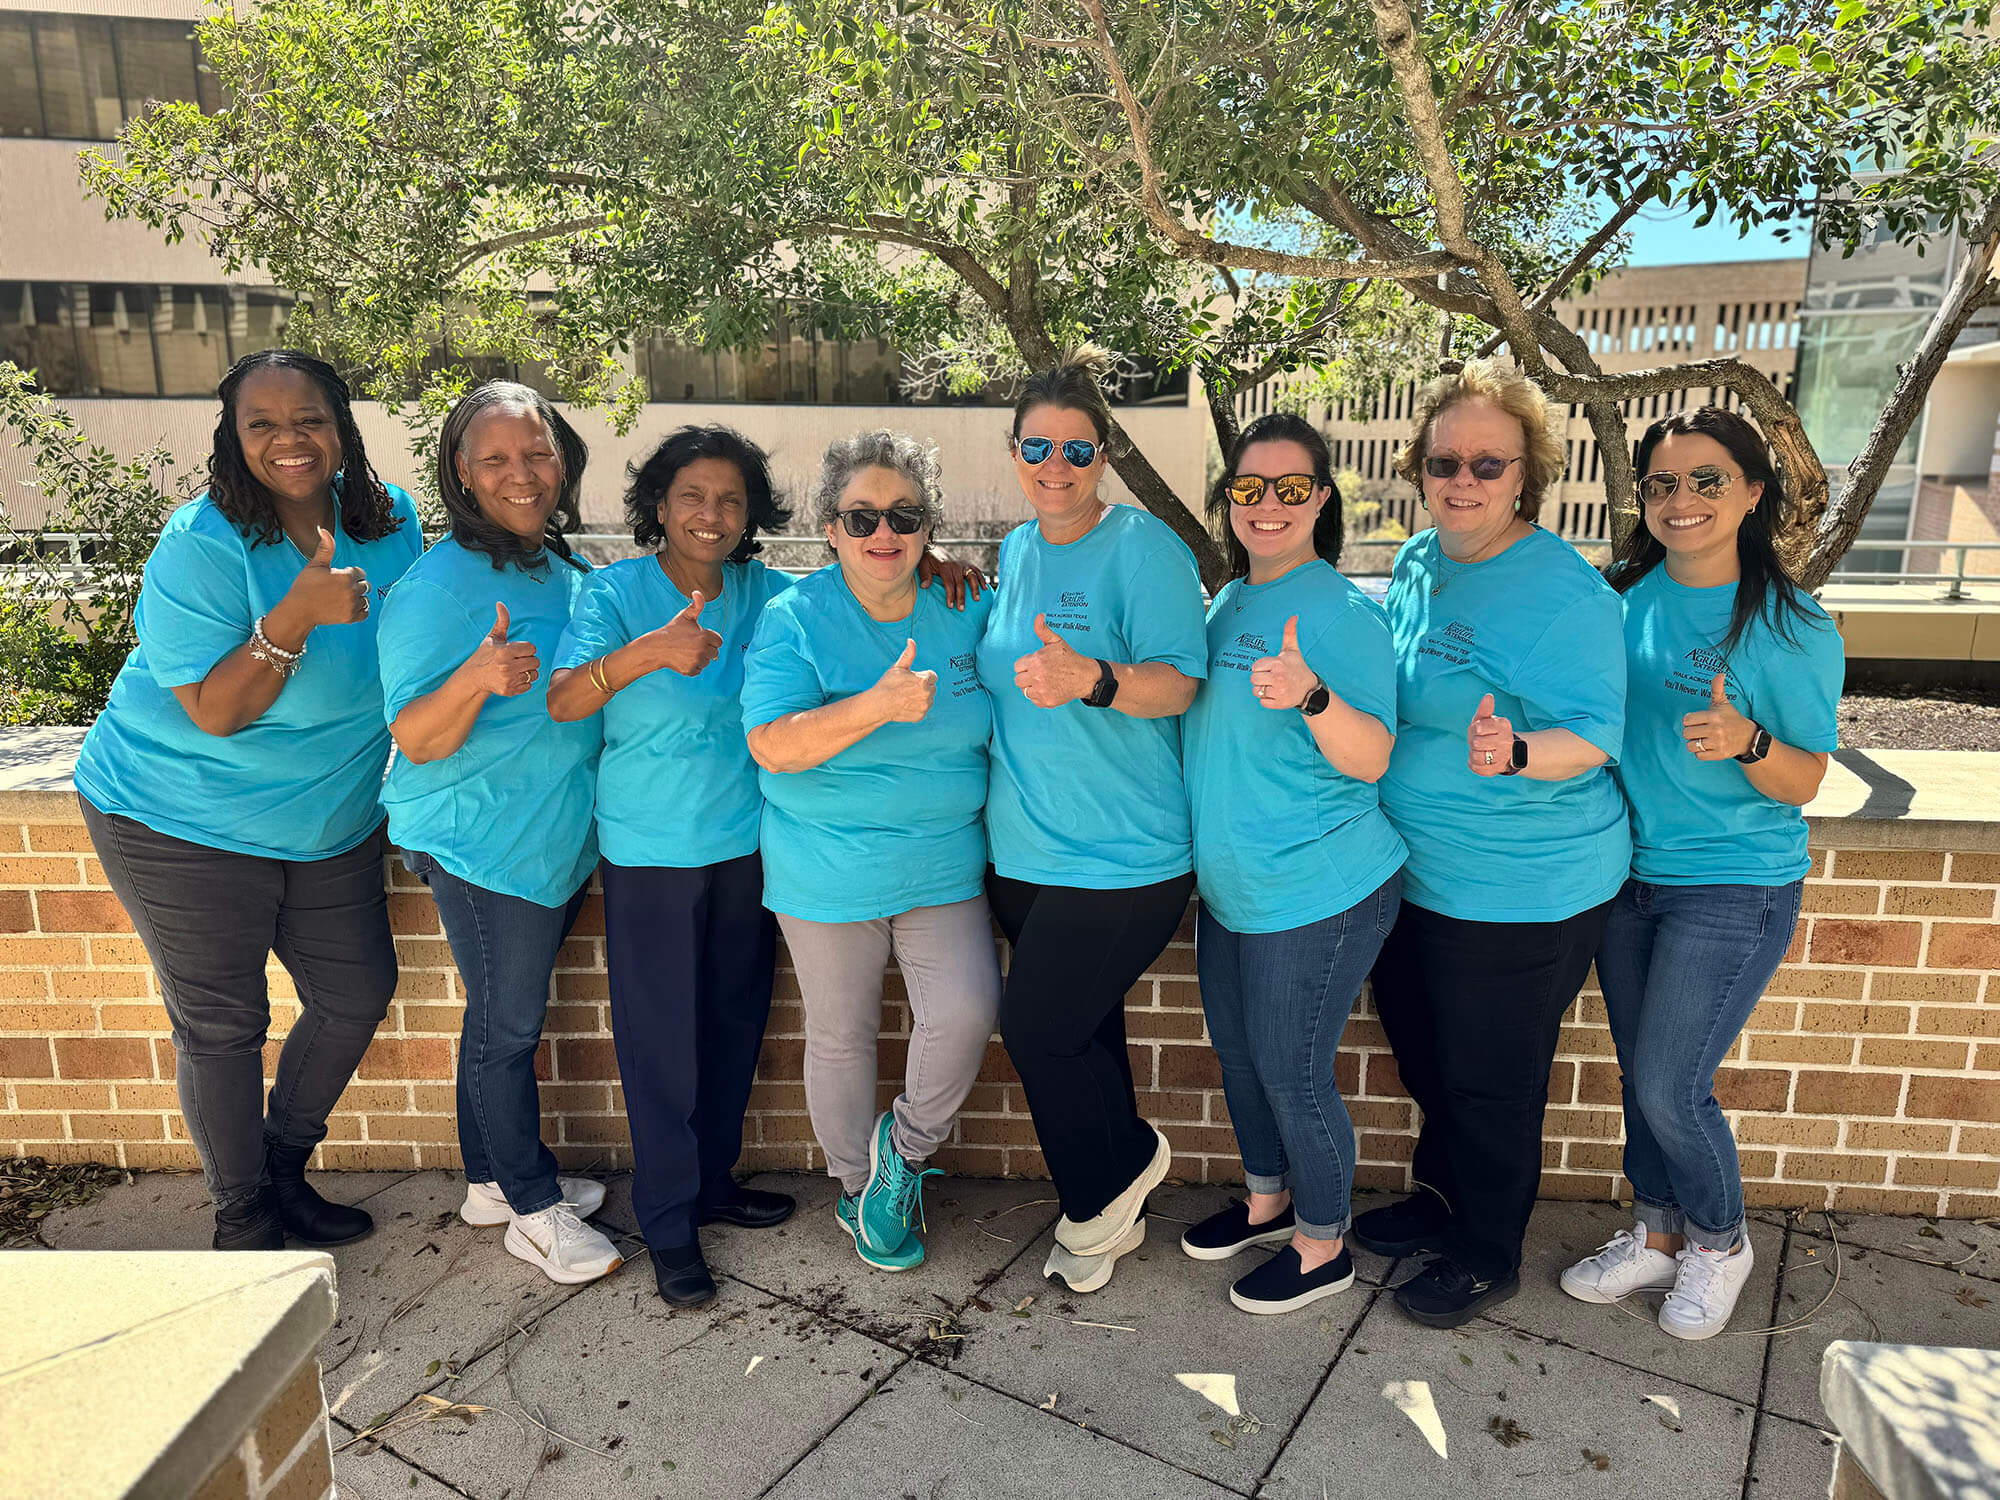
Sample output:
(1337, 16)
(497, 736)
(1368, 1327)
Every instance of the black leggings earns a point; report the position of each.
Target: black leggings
(1075, 954)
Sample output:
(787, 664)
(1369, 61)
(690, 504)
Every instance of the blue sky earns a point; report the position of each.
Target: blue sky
(1663, 239)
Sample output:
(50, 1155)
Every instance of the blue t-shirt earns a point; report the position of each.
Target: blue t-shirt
(892, 822)
(1282, 839)
(1082, 796)
(1538, 629)
(676, 786)
(301, 781)
(509, 811)
(1698, 822)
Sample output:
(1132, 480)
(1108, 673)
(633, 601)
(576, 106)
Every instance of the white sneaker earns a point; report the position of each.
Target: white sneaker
(485, 1205)
(1705, 1290)
(561, 1246)
(1095, 1236)
(1621, 1266)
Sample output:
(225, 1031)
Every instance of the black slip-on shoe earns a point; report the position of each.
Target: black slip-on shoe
(750, 1208)
(1229, 1232)
(1417, 1223)
(1444, 1294)
(1282, 1285)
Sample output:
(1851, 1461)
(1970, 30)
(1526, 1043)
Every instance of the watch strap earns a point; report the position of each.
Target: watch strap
(1760, 745)
(1316, 701)
(1517, 758)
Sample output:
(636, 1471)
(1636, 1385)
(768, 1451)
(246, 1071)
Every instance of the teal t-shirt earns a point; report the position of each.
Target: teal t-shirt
(301, 781)
(510, 811)
(1082, 796)
(892, 822)
(676, 786)
(1282, 839)
(1697, 822)
(1540, 630)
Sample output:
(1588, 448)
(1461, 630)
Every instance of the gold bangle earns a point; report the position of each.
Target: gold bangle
(598, 678)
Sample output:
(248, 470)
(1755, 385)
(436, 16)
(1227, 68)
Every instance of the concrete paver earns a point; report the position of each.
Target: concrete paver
(1792, 1461)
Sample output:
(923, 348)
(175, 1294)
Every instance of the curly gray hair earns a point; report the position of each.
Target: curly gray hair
(880, 449)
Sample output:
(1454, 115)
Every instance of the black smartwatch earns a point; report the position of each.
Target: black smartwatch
(1106, 689)
(1760, 745)
(1316, 701)
(1517, 759)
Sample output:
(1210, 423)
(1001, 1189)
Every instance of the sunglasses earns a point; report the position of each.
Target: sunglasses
(1489, 469)
(1248, 489)
(904, 520)
(1036, 450)
(1707, 481)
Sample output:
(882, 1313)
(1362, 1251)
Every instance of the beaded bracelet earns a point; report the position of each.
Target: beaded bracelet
(274, 656)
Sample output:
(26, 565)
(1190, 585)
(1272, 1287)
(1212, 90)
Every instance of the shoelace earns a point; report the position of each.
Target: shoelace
(906, 1190)
(1700, 1271)
(1621, 1247)
(1451, 1277)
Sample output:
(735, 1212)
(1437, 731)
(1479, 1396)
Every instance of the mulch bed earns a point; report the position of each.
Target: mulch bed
(31, 1189)
(1921, 718)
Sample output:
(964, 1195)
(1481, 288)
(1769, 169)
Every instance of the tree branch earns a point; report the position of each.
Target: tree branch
(563, 229)
(1580, 262)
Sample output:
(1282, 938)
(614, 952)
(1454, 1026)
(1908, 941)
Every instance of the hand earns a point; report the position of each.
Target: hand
(961, 581)
(1056, 674)
(1718, 732)
(682, 644)
(903, 696)
(508, 668)
(323, 594)
(1489, 741)
(1284, 680)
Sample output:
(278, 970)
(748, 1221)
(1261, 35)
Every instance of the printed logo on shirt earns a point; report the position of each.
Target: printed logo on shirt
(1243, 652)
(1072, 612)
(965, 679)
(1695, 676)
(1451, 643)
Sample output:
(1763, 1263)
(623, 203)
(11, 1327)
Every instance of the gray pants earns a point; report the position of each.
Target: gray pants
(210, 919)
(953, 978)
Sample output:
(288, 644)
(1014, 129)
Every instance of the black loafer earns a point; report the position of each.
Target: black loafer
(751, 1208)
(1282, 1284)
(1444, 1294)
(251, 1224)
(1229, 1232)
(1417, 1223)
(305, 1215)
(683, 1277)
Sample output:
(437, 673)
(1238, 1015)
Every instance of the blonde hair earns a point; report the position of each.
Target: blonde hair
(1514, 393)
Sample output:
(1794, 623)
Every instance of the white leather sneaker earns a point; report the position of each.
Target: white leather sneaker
(1621, 1266)
(561, 1246)
(1705, 1290)
(1095, 1236)
(485, 1205)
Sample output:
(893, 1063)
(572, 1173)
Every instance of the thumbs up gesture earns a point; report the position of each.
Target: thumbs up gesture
(1489, 741)
(1717, 732)
(325, 595)
(1055, 674)
(903, 696)
(498, 665)
(681, 645)
(1284, 680)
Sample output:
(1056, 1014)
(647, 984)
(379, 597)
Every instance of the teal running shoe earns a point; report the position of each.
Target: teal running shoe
(892, 1204)
(905, 1257)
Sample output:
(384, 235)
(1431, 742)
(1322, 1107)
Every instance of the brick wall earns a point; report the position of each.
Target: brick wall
(285, 1455)
(1869, 1077)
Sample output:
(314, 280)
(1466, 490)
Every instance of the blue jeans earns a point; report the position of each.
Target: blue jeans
(1277, 1003)
(505, 949)
(1682, 967)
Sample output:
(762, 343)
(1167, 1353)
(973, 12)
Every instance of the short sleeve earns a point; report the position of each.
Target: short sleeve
(1354, 655)
(1801, 707)
(1164, 619)
(194, 606)
(778, 677)
(1573, 677)
(594, 628)
(425, 636)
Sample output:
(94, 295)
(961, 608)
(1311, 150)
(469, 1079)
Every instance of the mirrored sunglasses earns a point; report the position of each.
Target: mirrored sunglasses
(1707, 481)
(1035, 450)
(862, 522)
(1248, 489)
(1440, 467)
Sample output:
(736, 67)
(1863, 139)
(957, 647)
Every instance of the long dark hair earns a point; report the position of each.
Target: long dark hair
(366, 512)
(469, 527)
(651, 480)
(1764, 583)
(1278, 427)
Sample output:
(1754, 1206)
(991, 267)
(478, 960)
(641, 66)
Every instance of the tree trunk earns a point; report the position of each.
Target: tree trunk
(1151, 489)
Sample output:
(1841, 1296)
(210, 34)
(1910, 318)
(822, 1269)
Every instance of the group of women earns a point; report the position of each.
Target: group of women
(1515, 768)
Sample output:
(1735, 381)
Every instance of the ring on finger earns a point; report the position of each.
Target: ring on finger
(1489, 757)
(1702, 746)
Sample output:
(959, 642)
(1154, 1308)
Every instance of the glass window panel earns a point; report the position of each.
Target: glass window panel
(1847, 368)
(1879, 274)
(118, 344)
(194, 341)
(209, 92)
(676, 372)
(79, 77)
(37, 332)
(155, 62)
(873, 373)
(20, 95)
(257, 320)
(757, 373)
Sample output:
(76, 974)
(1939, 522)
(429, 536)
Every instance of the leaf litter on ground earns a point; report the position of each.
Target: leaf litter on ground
(32, 1188)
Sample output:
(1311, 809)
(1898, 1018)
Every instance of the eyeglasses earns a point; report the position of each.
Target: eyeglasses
(1080, 453)
(1248, 489)
(1708, 481)
(1438, 466)
(903, 520)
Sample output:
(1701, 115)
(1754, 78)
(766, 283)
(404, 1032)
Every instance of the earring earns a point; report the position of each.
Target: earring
(1517, 505)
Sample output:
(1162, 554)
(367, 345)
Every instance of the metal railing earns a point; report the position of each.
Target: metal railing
(1954, 580)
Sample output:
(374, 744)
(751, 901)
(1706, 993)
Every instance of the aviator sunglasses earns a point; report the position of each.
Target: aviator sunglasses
(903, 520)
(1080, 453)
(1489, 469)
(1248, 489)
(1707, 481)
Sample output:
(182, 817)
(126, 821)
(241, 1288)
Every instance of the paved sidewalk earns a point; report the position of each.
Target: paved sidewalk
(812, 1377)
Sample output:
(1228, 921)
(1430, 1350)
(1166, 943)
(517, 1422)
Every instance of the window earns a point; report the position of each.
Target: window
(83, 77)
(193, 338)
(20, 96)
(79, 77)
(128, 340)
(156, 61)
(38, 333)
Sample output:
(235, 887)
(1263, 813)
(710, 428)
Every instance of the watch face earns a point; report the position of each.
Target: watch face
(1520, 757)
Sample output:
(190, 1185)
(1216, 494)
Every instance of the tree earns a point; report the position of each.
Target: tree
(1240, 188)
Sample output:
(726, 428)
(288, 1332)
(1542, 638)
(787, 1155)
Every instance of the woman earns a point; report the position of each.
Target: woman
(490, 798)
(1735, 677)
(1510, 707)
(231, 786)
(1298, 869)
(1091, 654)
(869, 726)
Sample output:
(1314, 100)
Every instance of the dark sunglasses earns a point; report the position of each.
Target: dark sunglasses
(903, 520)
(1707, 481)
(1081, 454)
(1248, 489)
(1489, 469)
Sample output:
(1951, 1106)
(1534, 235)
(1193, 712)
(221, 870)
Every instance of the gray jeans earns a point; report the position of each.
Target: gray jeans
(210, 919)
(953, 978)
